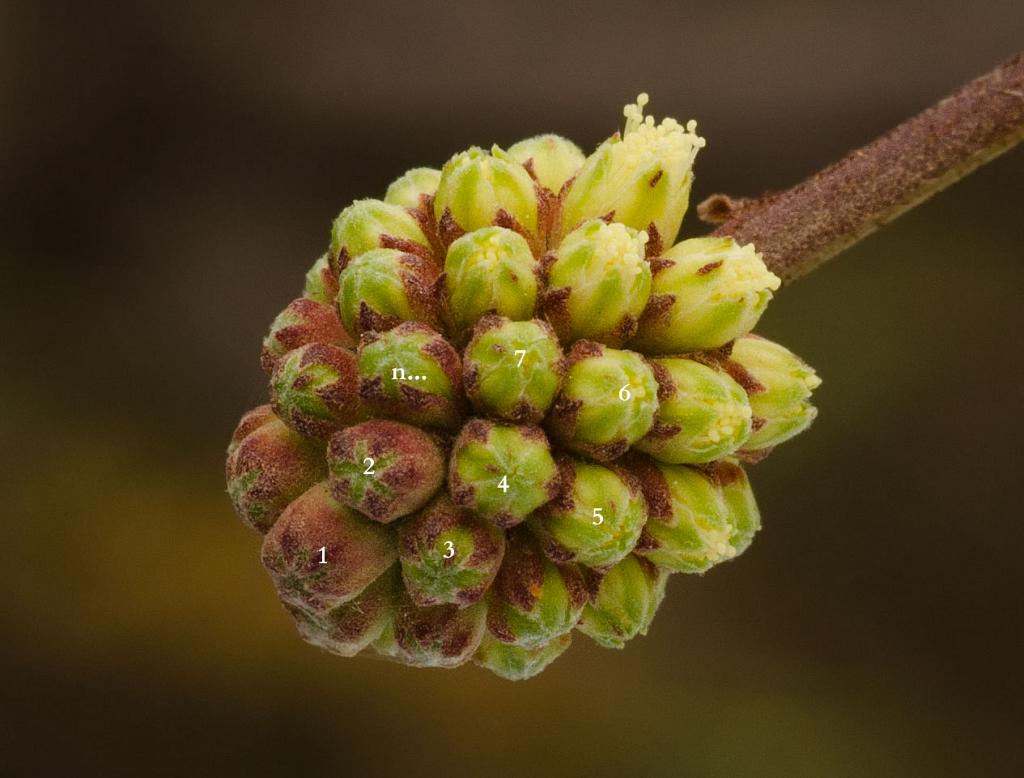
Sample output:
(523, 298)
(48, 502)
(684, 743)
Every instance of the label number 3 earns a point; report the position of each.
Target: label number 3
(598, 517)
(449, 549)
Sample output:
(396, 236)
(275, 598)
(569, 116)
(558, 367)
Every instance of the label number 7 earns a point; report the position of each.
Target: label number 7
(522, 353)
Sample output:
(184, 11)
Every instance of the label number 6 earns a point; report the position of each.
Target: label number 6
(624, 393)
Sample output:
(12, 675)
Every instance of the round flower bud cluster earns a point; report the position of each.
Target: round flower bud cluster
(509, 405)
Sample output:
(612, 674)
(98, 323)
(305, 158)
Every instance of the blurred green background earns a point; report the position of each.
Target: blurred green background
(167, 174)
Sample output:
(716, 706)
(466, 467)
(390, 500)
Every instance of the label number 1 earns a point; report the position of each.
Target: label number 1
(323, 555)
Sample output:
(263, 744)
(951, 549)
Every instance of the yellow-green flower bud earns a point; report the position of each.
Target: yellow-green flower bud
(434, 636)
(384, 287)
(268, 466)
(372, 224)
(448, 555)
(513, 369)
(779, 384)
(413, 374)
(703, 415)
(314, 390)
(551, 159)
(489, 270)
(478, 189)
(642, 179)
(623, 602)
(598, 283)
(607, 403)
(321, 554)
(597, 517)
(384, 469)
(697, 517)
(321, 282)
(533, 600)
(414, 189)
(706, 292)
(515, 663)
(303, 321)
(500, 472)
(352, 626)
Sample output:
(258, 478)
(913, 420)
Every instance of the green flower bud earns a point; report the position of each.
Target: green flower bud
(321, 282)
(779, 384)
(448, 555)
(384, 287)
(706, 291)
(500, 472)
(268, 466)
(303, 321)
(598, 283)
(372, 224)
(489, 270)
(384, 469)
(533, 600)
(596, 519)
(436, 636)
(413, 374)
(550, 159)
(313, 390)
(515, 663)
(704, 414)
(607, 403)
(642, 179)
(697, 518)
(352, 626)
(321, 554)
(512, 369)
(478, 189)
(414, 189)
(623, 602)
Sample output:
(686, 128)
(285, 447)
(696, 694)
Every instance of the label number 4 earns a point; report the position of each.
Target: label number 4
(598, 517)
(503, 483)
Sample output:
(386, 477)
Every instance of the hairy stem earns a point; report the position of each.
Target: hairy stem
(798, 229)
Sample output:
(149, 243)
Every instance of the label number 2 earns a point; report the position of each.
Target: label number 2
(598, 517)
(369, 466)
(449, 549)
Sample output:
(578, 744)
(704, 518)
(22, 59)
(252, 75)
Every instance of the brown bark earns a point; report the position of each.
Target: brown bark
(798, 229)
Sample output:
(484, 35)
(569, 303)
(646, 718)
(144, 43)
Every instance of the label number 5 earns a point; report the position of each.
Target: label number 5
(598, 517)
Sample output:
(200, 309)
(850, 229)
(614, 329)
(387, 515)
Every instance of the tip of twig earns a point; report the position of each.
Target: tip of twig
(719, 208)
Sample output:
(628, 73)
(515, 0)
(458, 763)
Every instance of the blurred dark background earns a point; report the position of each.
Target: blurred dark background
(168, 172)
